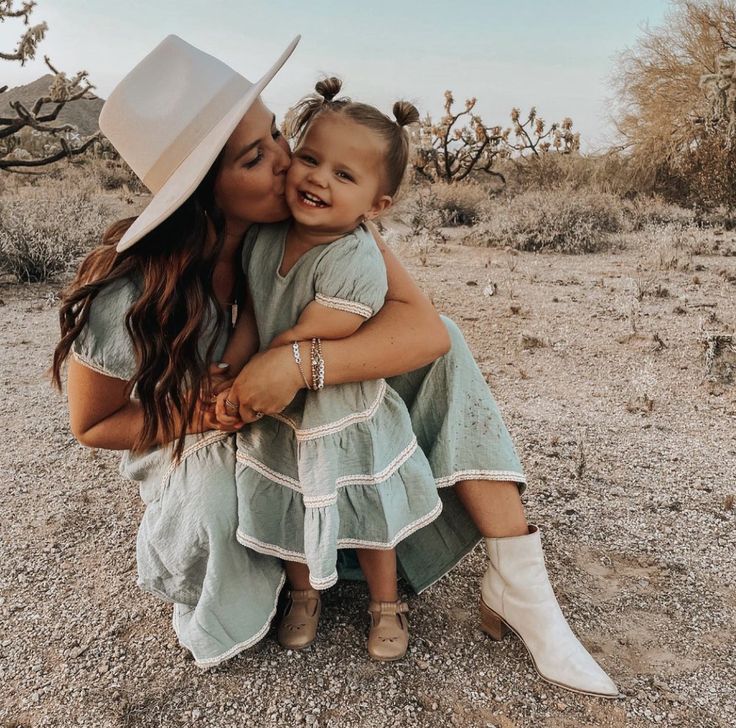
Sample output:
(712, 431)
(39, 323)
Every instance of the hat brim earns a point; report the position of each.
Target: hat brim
(187, 176)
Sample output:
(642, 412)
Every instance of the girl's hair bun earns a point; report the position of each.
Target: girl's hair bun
(328, 88)
(405, 113)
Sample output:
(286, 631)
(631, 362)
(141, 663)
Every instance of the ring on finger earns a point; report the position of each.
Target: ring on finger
(230, 405)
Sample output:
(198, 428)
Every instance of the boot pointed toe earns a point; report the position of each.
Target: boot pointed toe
(516, 594)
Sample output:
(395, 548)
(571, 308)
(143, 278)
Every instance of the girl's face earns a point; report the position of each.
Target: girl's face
(249, 187)
(334, 181)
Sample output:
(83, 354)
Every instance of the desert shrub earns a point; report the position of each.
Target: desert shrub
(645, 211)
(44, 230)
(419, 209)
(460, 203)
(672, 244)
(114, 174)
(563, 221)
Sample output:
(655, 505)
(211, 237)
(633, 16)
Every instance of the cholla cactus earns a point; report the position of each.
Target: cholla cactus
(37, 117)
(461, 144)
(26, 49)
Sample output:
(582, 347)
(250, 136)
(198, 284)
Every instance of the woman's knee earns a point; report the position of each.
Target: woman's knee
(458, 345)
(207, 492)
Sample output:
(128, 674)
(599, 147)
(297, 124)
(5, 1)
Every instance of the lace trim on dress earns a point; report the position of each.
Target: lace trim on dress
(330, 428)
(343, 304)
(384, 474)
(212, 661)
(345, 480)
(271, 549)
(208, 439)
(319, 501)
(84, 361)
(459, 475)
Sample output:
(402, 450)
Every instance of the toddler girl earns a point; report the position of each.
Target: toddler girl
(340, 466)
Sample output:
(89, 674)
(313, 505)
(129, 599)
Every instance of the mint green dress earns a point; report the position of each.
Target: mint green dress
(223, 593)
(339, 467)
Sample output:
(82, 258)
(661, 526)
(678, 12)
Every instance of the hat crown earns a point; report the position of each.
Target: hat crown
(166, 105)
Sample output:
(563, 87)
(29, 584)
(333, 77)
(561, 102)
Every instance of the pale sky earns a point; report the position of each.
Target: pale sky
(555, 54)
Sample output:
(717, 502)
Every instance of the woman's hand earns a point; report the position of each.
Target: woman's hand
(205, 417)
(265, 386)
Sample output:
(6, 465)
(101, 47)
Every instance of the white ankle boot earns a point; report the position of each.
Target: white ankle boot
(516, 594)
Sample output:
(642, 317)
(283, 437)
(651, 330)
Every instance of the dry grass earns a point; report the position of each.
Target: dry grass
(45, 228)
(563, 221)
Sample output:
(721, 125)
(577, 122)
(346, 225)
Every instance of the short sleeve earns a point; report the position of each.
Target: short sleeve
(104, 344)
(351, 275)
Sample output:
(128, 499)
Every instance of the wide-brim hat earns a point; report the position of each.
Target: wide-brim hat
(171, 116)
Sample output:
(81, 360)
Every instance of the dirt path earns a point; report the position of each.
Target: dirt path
(631, 458)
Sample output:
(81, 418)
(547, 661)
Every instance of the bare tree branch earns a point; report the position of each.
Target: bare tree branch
(66, 151)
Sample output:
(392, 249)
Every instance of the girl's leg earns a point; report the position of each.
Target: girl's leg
(297, 575)
(379, 567)
(388, 638)
(298, 626)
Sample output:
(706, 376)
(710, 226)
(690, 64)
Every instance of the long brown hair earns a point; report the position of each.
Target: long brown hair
(173, 266)
(396, 138)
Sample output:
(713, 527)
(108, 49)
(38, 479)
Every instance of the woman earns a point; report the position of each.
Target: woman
(146, 314)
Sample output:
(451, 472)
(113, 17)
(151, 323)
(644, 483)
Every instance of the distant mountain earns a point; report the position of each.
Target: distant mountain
(83, 113)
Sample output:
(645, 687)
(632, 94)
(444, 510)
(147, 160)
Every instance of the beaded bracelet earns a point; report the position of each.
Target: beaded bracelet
(298, 360)
(318, 365)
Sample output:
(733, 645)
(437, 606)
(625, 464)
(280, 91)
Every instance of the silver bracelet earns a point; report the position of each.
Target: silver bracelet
(298, 360)
(318, 365)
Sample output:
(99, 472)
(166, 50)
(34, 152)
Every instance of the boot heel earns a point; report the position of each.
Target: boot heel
(491, 623)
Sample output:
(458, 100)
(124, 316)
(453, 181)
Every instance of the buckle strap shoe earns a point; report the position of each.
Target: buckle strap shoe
(388, 638)
(516, 595)
(298, 626)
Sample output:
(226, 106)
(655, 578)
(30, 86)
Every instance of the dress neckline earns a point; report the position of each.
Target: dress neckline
(285, 277)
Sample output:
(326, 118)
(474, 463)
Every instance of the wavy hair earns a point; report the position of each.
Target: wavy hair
(173, 264)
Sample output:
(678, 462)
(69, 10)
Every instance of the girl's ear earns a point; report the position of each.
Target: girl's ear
(381, 204)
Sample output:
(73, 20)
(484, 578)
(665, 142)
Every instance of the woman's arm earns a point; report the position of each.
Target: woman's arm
(102, 415)
(406, 334)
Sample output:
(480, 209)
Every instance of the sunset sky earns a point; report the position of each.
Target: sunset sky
(557, 55)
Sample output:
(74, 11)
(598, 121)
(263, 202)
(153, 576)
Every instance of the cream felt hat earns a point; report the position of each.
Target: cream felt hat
(171, 116)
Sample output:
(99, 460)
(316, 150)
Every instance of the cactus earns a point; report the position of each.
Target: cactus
(461, 144)
(42, 114)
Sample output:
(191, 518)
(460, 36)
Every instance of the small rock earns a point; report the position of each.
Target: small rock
(78, 651)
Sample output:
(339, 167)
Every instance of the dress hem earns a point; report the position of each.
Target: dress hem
(235, 649)
(270, 549)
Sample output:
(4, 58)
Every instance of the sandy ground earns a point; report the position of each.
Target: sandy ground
(598, 364)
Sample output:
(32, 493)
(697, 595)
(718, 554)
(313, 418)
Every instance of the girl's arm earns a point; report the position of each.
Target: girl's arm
(102, 415)
(406, 334)
(322, 322)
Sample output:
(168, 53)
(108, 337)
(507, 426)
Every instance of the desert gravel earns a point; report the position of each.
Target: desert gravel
(630, 451)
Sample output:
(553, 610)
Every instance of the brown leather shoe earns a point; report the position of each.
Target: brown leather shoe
(388, 638)
(298, 626)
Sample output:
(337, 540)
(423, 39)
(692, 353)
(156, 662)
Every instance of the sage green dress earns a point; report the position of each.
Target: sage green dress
(339, 467)
(224, 594)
